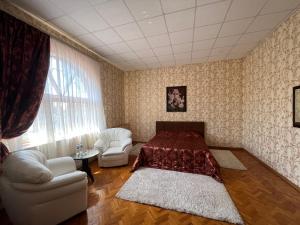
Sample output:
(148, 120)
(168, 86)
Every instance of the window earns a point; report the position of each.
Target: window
(72, 105)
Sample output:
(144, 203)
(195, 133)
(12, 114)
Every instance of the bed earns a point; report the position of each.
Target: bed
(179, 146)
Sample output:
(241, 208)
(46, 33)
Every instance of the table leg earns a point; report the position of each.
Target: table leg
(87, 169)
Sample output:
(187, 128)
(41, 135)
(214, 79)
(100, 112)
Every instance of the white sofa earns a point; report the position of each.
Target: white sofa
(37, 191)
(114, 145)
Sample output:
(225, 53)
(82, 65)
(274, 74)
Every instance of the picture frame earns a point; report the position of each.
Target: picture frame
(296, 106)
(176, 99)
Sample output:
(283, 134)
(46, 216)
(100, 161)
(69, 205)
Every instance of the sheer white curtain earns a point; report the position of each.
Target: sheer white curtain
(71, 111)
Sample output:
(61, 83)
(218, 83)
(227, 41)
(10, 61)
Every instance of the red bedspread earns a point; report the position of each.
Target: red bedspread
(179, 151)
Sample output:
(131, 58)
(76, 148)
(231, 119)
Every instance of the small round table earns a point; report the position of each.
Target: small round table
(85, 161)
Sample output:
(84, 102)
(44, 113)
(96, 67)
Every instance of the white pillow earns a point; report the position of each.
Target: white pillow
(27, 166)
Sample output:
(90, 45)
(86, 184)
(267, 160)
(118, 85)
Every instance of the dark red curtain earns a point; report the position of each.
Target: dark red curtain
(24, 63)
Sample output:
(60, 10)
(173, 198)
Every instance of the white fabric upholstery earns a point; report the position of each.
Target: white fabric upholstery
(49, 202)
(114, 145)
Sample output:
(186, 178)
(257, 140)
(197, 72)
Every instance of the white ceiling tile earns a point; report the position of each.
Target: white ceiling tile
(181, 36)
(180, 56)
(200, 60)
(166, 58)
(166, 50)
(44, 9)
(180, 20)
(181, 48)
(69, 6)
(104, 50)
(220, 51)
(129, 31)
(145, 53)
(175, 5)
(158, 41)
(244, 8)
(150, 60)
(226, 41)
(206, 44)
(89, 19)
(115, 12)
(206, 32)
(266, 22)
(235, 27)
(137, 61)
(115, 58)
(120, 47)
(138, 44)
(205, 2)
(153, 26)
(243, 47)
(211, 14)
(279, 5)
(254, 37)
(129, 55)
(183, 61)
(109, 27)
(69, 25)
(90, 40)
(97, 2)
(153, 65)
(143, 9)
(200, 53)
(108, 36)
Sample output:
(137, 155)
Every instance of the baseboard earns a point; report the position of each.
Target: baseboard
(274, 171)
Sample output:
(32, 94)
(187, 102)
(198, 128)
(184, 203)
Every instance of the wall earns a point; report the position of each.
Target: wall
(112, 82)
(269, 73)
(213, 95)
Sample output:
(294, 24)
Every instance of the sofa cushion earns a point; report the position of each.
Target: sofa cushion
(26, 166)
(113, 151)
(115, 144)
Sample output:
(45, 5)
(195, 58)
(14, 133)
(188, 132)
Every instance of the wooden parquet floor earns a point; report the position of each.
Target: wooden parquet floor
(261, 197)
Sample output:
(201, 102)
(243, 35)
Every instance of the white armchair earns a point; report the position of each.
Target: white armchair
(37, 191)
(114, 145)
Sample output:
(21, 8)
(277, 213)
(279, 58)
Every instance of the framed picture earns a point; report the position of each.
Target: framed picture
(296, 106)
(176, 99)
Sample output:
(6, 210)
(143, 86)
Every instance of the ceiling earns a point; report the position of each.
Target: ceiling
(143, 34)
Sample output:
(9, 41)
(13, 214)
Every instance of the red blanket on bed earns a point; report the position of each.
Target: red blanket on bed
(179, 151)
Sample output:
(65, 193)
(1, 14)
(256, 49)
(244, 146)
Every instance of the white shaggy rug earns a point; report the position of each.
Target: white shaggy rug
(184, 192)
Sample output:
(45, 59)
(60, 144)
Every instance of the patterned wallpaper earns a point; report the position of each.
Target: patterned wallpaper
(269, 73)
(112, 80)
(213, 95)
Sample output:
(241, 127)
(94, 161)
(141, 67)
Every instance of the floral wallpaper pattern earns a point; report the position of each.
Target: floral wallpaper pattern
(269, 74)
(112, 80)
(213, 96)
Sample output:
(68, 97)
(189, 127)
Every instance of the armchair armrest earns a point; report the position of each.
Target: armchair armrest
(101, 145)
(56, 182)
(62, 165)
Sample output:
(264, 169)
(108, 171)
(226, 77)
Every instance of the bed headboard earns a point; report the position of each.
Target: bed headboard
(180, 126)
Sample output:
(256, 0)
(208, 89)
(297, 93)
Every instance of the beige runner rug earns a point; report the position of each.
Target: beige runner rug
(227, 159)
